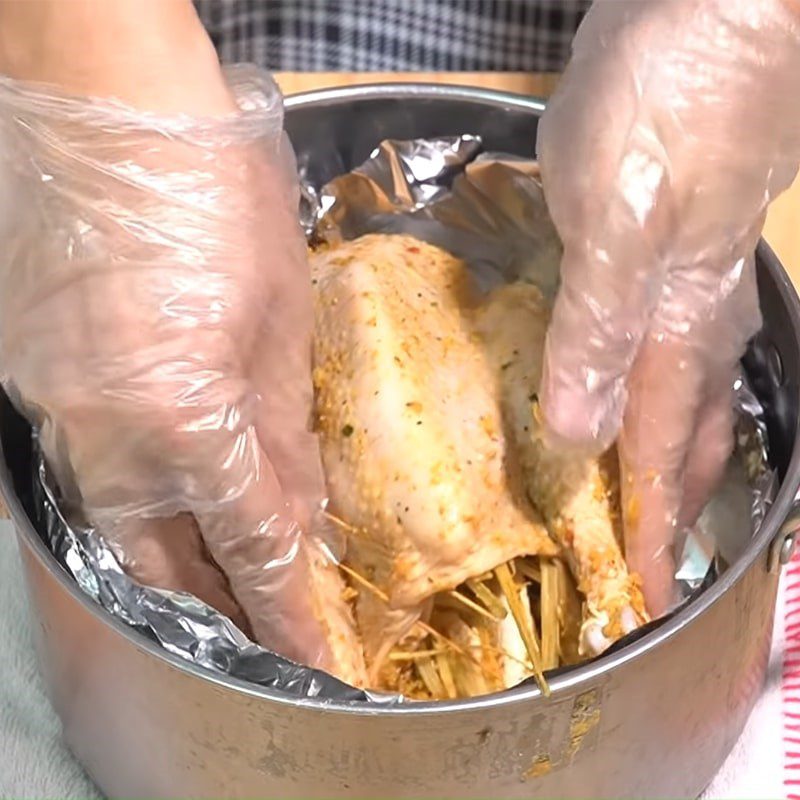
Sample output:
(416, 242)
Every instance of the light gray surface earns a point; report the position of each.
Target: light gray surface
(34, 763)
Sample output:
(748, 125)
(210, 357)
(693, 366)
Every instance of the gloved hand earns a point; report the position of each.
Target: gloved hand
(674, 126)
(155, 321)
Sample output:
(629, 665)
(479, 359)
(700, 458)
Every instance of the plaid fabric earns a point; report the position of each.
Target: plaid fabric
(394, 35)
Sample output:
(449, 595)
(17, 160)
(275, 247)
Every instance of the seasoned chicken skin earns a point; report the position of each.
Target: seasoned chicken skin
(575, 495)
(411, 431)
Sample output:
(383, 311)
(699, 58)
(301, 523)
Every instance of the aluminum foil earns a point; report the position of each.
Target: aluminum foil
(489, 210)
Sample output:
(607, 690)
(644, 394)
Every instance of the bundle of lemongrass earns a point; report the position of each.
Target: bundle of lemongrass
(497, 629)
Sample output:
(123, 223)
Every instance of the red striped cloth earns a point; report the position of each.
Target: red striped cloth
(791, 680)
(765, 763)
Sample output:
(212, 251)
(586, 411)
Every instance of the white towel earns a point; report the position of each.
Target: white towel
(35, 764)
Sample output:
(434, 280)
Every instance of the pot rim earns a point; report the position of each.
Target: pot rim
(560, 685)
(399, 90)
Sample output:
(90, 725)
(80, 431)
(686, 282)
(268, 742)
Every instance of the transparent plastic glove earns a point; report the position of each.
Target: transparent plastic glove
(674, 126)
(155, 321)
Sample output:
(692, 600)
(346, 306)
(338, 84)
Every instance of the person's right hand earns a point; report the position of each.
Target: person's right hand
(675, 124)
(155, 321)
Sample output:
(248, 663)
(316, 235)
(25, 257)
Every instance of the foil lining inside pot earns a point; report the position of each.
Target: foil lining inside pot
(489, 210)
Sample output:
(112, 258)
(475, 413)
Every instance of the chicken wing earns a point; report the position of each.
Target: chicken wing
(577, 497)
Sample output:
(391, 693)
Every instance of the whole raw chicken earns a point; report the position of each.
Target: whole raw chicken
(430, 458)
(411, 432)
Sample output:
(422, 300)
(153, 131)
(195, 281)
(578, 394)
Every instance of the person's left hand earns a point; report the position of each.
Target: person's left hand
(675, 124)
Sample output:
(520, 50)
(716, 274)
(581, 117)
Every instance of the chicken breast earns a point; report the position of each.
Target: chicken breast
(411, 432)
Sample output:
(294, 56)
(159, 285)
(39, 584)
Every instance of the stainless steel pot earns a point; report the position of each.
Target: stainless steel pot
(653, 720)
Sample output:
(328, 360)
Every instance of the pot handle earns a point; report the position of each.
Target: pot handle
(784, 544)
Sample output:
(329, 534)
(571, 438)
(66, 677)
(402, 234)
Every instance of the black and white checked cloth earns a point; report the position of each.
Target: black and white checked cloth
(394, 35)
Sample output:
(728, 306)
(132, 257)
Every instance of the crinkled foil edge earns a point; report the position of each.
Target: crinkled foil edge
(487, 209)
